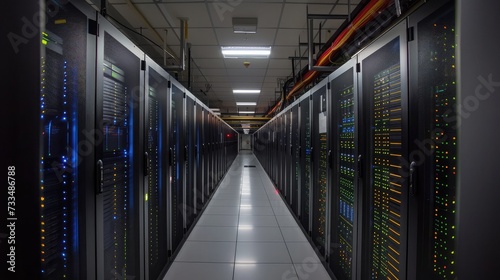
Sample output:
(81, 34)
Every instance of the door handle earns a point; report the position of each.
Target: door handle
(100, 177)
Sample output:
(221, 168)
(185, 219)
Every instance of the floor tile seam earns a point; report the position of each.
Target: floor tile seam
(281, 232)
(236, 246)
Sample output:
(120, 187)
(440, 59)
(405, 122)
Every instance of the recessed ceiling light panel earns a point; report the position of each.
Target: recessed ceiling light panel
(246, 90)
(246, 103)
(246, 52)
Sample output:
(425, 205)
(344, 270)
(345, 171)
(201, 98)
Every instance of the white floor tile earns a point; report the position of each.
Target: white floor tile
(213, 234)
(260, 234)
(264, 272)
(197, 251)
(254, 252)
(218, 220)
(205, 271)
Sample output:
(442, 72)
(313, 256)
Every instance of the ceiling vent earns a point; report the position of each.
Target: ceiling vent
(245, 25)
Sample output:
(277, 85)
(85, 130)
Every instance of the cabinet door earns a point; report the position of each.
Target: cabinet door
(177, 208)
(120, 156)
(155, 225)
(305, 163)
(383, 86)
(434, 137)
(344, 194)
(320, 167)
(66, 106)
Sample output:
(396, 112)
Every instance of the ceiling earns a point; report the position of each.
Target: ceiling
(280, 25)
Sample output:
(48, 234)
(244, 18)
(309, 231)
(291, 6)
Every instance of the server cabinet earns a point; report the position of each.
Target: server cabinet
(296, 172)
(433, 99)
(189, 163)
(204, 154)
(305, 163)
(157, 163)
(289, 175)
(320, 165)
(66, 83)
(279, 154)
(177, 159)
(198, 155)
(383, 85)
(344, 196)
(119, 155)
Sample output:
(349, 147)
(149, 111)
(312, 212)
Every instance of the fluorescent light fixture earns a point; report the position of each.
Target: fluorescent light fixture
(247, 112)
(215, 109)
(246, 103)
(246, 90)
(246, 52)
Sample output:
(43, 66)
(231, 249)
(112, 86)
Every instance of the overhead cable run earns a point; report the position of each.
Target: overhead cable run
(368, 13)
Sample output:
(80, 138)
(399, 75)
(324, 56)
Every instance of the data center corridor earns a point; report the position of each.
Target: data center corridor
(246, 232)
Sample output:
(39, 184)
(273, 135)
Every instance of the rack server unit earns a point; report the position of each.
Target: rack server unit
(63, 73)
(157, 164)
(198, 154)
(306, 164)
(190, 175)
(296, 172)
(344, 195)
(320, 165)
(119, 155)
(177, 111)
(435, 153)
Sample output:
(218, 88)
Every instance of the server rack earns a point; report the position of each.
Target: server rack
(119, 156)
(199, 158)
(189, 152)
(67, 73)
(289, 174)
(434, 153)
(177, 159)
(156, 166)
(384, 103)
(344, 194)
(320, 166)
(305, 163)
(296, 172)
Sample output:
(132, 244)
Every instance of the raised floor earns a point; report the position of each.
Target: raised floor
(246, 232)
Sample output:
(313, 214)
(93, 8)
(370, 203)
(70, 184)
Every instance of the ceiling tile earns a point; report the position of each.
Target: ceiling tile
(246, 72)
(238, 63)
(206, 52)
(201, 36)
(153, 15)
(196, 13)
(214, 71)
(280, 63)
(282, 52)
(267, 14)
(264, 37)
(209, 63)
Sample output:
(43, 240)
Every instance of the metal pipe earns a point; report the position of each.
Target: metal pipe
(189, 66)
(310, 42)
(182, 54)
(319, 16)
